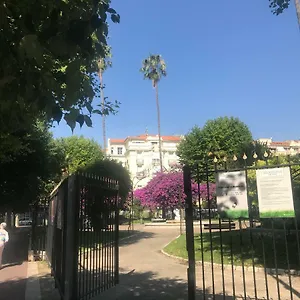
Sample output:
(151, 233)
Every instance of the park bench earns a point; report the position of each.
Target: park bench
(158, 220)
(215, 226)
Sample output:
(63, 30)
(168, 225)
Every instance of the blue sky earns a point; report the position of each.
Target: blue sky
(224, 58)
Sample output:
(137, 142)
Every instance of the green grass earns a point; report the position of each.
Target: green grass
(234, 214)
(278, 214)
(239, 254)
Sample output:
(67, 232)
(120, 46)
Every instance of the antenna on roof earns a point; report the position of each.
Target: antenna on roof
(146, 131)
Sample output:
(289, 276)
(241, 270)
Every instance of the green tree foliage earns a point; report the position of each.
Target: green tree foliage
(79, 152)
(111, 169)
(28, 175)
(224, 136)
(49, 53)
(278, 6)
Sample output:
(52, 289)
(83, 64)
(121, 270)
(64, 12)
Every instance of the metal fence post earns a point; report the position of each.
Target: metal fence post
(191, 272)
(70, 266)
(116, 241)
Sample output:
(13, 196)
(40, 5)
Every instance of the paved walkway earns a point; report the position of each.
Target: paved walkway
(14, 273)
(19, 279)
(146, 273)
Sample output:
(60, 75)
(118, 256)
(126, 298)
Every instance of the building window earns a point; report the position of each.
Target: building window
(155, 161)
(112, 150)
(120, 150)
(154, 143)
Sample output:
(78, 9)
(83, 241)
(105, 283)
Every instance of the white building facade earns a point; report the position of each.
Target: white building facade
(291, 147)
(140, 155)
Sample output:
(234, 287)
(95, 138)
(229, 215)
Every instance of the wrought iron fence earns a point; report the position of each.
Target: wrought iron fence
(82, 236)
(39, 221)
(247, 252)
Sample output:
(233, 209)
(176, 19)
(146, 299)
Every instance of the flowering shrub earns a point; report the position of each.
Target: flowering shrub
(166, 191)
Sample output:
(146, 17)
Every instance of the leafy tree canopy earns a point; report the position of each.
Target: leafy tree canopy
(111, 169)
(154, 68)
(28, 175)
(224, 136)
(49, 54)
(278, 6)
(79, 152)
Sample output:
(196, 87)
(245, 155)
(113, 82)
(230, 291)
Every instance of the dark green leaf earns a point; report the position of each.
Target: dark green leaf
(104, 28)
(32, 48)
(70, 121)
(97, 111)
(115, 18)
(57, 113)
(88, 121)
(80, 119)
(89, 107)
(111, 10)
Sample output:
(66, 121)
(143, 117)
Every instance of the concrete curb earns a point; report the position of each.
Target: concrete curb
(270, 271)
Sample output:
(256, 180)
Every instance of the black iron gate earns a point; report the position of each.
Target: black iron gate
(245, 251)
(82, 236)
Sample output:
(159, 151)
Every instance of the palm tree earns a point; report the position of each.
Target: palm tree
(297, 5)
(154, 68)
(103, 64)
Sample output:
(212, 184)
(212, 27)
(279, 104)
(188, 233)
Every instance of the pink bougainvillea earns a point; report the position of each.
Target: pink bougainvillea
(166, 190)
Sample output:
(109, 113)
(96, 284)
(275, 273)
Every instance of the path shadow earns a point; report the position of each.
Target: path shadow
(136, 285)
(137, 235)
(288, 287)
(15, 288)
(16, 250)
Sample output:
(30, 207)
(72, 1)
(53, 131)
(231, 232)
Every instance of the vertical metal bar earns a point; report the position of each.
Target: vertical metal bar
(90, 238)
(231, 259)
(109, 255)
(85, 240)
(102, 250)
(253, 261)
(265, 267)
(116, 241)
(297, 238)
(94, 242)
(201, 234)
(242, 258)
(111, 244)
(222, 259)
(111, 213)
(107, 249)
(275, 260)
(251, 227)
(71, 239)
(288, 260)
(210, 232)
(80, 245)
(191, 272)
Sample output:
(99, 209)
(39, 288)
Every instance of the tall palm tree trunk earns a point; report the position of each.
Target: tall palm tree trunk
(158, 127)
(297, 5)
(102, 110)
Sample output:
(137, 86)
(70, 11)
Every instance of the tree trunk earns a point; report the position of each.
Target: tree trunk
(102, 110)
(159, 140)
(158, 127)
(297, 5)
